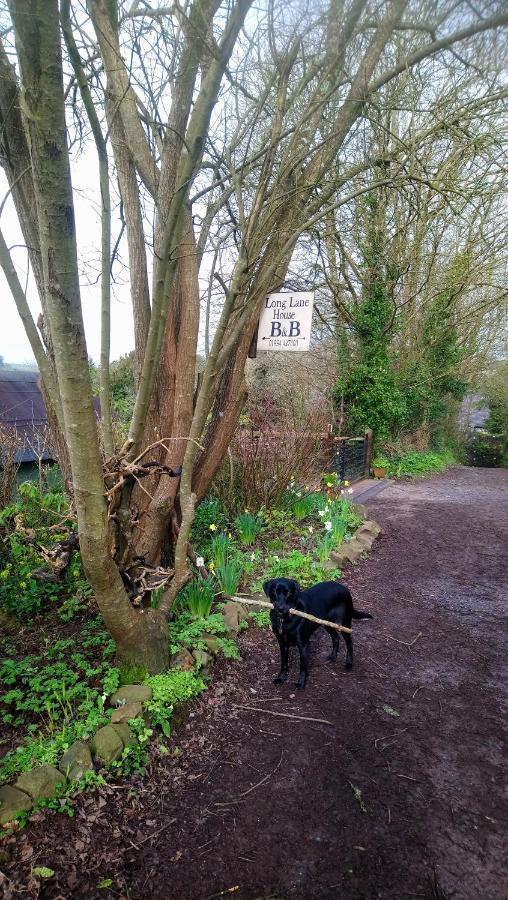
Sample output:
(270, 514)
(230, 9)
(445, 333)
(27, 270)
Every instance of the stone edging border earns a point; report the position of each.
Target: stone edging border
(360, 543)
(107, 744)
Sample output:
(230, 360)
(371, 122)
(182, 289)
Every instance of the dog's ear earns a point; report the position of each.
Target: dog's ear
(296, 587)
(267, 587)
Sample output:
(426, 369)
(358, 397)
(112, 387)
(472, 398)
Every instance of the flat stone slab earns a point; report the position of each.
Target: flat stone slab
(126, 734)
(126, 713)
(233, 614)
(12, 802)
(76, 761)
(107, 744)
(41, 783)
(370, 527)
(131, 693)
(370, 491)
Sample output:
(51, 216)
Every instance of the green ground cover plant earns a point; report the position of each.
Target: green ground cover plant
(414, 463)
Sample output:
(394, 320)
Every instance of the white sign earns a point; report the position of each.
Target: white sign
(286, 321)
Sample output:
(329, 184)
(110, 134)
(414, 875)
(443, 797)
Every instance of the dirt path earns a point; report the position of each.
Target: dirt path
(374, 805)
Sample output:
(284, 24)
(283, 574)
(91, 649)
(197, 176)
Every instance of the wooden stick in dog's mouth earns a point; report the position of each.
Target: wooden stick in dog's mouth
(294, 612)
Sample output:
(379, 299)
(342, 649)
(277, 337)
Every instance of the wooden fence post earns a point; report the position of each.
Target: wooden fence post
(368, 450)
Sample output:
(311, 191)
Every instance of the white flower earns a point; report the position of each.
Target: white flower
(277, 558)
(321, 512)
(350, 490)
(252, 557)
(311, 530)
(298, 493)
(328, 526)
(200, 562)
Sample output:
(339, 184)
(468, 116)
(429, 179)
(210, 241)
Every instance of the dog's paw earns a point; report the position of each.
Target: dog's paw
(348, 666)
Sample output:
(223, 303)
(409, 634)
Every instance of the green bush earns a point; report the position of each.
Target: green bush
(170, 688)
(198, 597)
(416, 464)
(248, 527)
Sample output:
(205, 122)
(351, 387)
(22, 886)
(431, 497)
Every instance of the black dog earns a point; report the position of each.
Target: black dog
(326, 600)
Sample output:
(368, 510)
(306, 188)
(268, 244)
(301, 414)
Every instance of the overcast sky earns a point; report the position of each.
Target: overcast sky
(14, 346)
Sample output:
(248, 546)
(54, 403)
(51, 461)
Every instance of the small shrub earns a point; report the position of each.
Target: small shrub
(170, 688)
(221, 548)
(304, 505)
(184, 631)
(415, 464)
(228, 576)
(198, 597)
(261, 617)
(324, 547)
(248, 527)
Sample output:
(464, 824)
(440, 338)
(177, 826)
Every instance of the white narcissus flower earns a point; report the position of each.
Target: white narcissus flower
(252, 557)
(328, 526)
(200, 562)
(350, 490)
(321, 512)
(311, 530)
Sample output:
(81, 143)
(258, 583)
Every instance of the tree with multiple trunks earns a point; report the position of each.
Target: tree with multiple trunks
(215, 118)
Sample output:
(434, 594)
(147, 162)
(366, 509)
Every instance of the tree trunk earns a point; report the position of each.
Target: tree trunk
(138, 635)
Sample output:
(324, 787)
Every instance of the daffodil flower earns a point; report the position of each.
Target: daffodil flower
(200, 562)
(311, 530)
(346, 484)
(211, 566)
(213, 527)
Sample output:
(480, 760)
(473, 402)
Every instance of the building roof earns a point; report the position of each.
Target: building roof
(22, 408)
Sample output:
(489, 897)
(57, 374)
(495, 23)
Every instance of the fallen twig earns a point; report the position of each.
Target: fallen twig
(294, 612)
(406, 643)
(253, 788)
(272, 712)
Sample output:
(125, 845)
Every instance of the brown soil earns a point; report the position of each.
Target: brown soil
(373, 805)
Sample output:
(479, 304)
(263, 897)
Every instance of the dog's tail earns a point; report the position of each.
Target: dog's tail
(358, 614)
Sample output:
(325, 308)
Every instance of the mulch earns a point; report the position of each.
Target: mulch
(400, 797)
